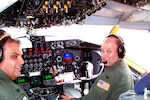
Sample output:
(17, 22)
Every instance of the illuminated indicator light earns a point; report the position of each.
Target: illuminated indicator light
(57, 2)
(30, 53)
(36, 48)
(42, 49)
(68, 3)
(36, 52)
(20, 80)
(46, 3)
(65, 7)
(48, 77)
(44, 7)
(54, 6)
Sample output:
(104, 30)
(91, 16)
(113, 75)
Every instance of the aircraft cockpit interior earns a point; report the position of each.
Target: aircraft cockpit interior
(51, 64)
(61, 41)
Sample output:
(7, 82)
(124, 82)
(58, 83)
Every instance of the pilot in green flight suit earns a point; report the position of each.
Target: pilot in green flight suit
(116, 78)
(11, 62)
(111, 83)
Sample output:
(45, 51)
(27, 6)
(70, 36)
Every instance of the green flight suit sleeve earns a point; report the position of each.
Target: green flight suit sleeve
(98, 91)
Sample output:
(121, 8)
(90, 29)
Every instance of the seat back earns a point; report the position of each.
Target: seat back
(142, 83)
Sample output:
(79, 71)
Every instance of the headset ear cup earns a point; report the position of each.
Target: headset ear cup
(1, 53)
(121, 51)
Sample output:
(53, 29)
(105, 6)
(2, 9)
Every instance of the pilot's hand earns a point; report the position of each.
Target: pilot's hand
(66, 96)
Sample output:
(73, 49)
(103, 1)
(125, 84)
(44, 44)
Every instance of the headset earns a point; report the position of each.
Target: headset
(121, 48)
(3, 35)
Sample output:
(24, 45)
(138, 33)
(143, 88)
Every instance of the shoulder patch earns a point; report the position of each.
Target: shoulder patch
(103, 85)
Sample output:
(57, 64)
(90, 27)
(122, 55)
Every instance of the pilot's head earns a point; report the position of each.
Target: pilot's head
(112, 50)
(10, 55)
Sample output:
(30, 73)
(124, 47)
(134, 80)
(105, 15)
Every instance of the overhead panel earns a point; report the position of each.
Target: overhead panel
(47, 13)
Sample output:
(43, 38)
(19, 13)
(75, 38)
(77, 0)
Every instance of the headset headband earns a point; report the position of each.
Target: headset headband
(3, 36)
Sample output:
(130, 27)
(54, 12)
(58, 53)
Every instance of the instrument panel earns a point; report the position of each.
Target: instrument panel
(47, 60)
